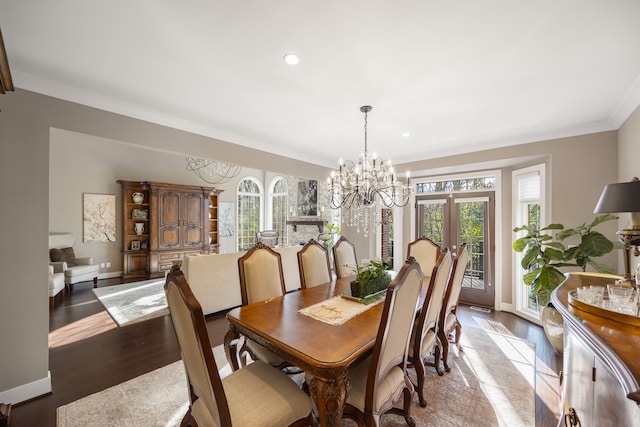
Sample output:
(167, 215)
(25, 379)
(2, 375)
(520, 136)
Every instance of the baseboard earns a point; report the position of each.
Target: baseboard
(110, 275)
(27, 391)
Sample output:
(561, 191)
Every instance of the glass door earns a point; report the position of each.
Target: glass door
(464, 217)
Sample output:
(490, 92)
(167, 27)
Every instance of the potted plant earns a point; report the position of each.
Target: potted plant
(544, 256)
(371, 277)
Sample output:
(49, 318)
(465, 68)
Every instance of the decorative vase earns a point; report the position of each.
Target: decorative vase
(137, 198)
(553, 325)
(139, 227)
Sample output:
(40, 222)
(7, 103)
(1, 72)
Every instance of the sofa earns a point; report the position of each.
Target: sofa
(215, 279)
(63, 260)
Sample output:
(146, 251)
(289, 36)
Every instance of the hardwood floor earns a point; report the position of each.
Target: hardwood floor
(88, 352)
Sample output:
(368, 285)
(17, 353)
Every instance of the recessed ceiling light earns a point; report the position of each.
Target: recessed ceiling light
(291, 59)
(406, 135)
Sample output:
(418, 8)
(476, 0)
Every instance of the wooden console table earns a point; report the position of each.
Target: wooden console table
(601, 360)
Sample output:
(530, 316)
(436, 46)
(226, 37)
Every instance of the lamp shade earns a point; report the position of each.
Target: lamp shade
(620, 197)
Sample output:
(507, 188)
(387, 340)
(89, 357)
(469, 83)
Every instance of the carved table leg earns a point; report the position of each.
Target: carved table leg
(329, 397)
(231, 347)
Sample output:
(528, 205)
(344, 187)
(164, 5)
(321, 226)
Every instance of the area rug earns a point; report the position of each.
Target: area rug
(134, 302)
(491, 383)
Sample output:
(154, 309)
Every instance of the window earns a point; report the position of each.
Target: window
(278, 207)
(249, 212)
(528, 209)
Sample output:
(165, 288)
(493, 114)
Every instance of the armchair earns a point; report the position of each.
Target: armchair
(56, 285)
(63, 260)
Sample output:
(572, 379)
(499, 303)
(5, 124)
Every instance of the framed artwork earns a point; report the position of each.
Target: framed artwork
(226, 219)
(308, 197)
(135, 245)
(99, 218)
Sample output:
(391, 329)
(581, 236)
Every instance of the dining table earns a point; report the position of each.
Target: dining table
(324, 351)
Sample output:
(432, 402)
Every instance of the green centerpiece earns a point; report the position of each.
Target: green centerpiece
(372, 277)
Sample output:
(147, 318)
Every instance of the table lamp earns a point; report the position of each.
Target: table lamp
(618, 198)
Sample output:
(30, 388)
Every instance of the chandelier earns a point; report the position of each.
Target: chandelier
(361, 189)
(211, 171)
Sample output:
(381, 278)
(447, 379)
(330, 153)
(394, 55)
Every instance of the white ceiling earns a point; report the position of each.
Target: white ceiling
(458, 76)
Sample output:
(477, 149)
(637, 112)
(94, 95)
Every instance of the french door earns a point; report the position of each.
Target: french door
(465, 217)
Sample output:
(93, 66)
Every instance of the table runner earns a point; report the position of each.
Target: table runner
(337, 310)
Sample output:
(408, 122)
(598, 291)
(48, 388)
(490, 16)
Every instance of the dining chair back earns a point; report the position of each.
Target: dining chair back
(378, 382)
(240, 398)
(424, 340)
(448, 320)
(261, 275)
(425, 251)
(344, 258)
(313, 264)
(261, 278)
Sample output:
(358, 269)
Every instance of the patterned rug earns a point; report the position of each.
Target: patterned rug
(491, 383)
(134, 302)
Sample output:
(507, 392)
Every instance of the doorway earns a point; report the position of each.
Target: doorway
(464, 217)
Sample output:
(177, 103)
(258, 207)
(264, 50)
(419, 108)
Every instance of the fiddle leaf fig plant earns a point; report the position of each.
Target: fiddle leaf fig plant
(545, 254)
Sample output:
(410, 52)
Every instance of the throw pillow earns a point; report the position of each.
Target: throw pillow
(63, 255)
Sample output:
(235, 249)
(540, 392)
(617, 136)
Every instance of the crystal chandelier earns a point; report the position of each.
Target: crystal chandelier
(211, 171)
(361, 189)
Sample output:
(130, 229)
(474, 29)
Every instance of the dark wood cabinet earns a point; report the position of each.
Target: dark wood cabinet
(601, 371)
(182, 220)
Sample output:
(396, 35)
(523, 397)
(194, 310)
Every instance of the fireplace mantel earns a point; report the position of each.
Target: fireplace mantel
(296, 223)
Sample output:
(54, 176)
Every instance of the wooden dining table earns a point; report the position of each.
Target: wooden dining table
(325, 351)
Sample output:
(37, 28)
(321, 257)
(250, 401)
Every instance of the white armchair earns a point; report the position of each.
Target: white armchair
(56, 285)
(63, 260)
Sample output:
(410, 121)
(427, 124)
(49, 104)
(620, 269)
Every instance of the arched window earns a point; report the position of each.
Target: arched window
(278, 206)
(249, 212)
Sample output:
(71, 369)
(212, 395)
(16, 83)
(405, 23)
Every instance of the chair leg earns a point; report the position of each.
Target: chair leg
(445, 349)
(437, 351)
(458, 335)
(70, 287)
(95, 282)
(420, 373)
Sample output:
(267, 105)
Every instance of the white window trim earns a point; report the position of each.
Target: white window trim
(261, 201)
(519, 290)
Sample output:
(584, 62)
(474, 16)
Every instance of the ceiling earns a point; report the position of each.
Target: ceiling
(458, 76)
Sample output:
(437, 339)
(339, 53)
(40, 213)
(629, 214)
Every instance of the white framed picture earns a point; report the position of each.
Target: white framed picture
(99, 217)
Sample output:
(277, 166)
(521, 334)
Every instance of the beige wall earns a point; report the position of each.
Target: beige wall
(628, 165)
(578, 167)
(26, 123)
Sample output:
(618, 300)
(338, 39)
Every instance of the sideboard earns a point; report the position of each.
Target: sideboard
(601, 360)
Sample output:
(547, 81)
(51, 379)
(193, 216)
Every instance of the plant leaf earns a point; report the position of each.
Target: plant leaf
(595, 244)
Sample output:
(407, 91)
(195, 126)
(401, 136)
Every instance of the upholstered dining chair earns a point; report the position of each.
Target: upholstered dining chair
(379, 381)
(256, 395)
(313, 264)
(425, 251)
(424, 339)
(268, 237)
(344, 258)
(261, 278)
(448, 320)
